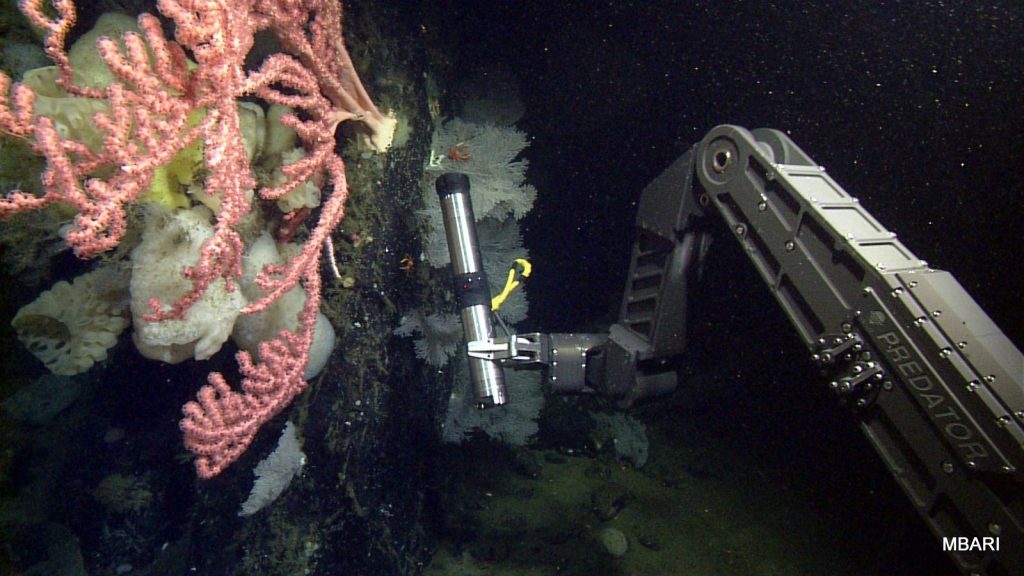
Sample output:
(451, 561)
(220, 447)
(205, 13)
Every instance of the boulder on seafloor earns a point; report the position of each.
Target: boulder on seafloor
(614, 541)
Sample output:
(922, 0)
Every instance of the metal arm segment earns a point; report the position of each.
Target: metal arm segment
(937, 385)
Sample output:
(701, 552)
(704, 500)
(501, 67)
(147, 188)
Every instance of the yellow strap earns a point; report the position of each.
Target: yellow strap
(511, 284)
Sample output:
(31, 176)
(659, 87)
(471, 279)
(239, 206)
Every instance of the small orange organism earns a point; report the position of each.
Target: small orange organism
(460, 152)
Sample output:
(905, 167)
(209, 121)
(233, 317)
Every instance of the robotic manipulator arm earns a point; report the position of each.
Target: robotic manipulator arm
(935, 385)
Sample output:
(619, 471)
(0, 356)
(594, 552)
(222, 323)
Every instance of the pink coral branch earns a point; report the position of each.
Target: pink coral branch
(146, 123)
(56, 30)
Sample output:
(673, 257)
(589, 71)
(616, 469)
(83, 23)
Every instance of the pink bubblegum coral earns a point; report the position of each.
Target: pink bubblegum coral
(148, 123)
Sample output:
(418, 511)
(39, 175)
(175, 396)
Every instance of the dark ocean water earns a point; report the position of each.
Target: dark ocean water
(914, 107)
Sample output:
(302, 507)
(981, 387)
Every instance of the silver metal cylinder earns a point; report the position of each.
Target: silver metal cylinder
(460, 231)
(471, 288)
(488, 377)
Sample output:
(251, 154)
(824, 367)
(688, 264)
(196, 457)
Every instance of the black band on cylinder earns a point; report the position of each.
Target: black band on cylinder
(472, 289)
(451, 183)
